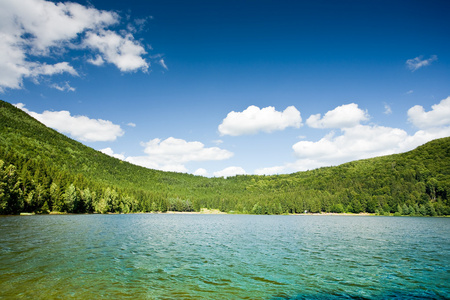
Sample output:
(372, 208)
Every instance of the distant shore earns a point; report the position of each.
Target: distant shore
(334, 214)
(218, 212)
(206, 211)
(202, 211)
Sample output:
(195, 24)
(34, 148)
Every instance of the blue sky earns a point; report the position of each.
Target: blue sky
(219, 88)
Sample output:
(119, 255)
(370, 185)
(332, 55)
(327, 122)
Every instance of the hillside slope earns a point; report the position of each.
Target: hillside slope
(43, 170)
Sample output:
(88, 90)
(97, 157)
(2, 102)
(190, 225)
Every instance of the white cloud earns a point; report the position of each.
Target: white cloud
(271, 170)
(201, 172)
(97, 61)
(171, 154)
(361, 142)
(35, 29)
(44, 69)
(163, 64)
(416, 63)
(149, 162)
(253, 119)
(367, 141)
(63, 88)
(183, 151)
(110, 152)
(78, 127)
(131, 124)
(356, 142)
(438, 116)
(343, 116)
(387, 109)
(123, 51)
(229, 172)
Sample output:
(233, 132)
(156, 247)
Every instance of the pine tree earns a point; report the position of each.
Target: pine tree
(70, 198)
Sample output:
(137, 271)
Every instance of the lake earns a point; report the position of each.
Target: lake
(168, 256)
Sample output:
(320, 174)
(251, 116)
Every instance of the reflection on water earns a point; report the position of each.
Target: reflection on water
(158, 256)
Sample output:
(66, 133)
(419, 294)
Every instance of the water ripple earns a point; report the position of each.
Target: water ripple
(224, 257)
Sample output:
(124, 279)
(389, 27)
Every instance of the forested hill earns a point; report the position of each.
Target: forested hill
(42, 170)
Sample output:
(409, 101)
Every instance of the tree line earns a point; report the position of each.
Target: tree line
(31, 185)
(43, 171)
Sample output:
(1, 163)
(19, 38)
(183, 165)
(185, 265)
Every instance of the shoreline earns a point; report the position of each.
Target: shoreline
(335, 214)
(205, 211)
(218, 212)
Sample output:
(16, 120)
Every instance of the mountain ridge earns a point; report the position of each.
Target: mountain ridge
(52, 172)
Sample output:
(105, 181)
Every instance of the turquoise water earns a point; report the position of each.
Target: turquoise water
(162, 256)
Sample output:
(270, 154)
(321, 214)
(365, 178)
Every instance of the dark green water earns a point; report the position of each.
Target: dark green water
(157, 256)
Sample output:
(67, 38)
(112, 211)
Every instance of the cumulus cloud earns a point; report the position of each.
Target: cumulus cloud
(343, 116)
(253, 119)
(358, 143)
(97, 61)
(110, 152)
(418, 62)
(44, 69)
(149, 162)
(171, 154)
(362, 142)
(230, 171)
(355, 143)
(36, 29)
(78, 127)
(271, 170)
(123, 51)
(366, 141)
(438, 116)
(201, 172)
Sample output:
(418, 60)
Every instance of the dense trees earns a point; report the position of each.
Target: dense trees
(43, 171)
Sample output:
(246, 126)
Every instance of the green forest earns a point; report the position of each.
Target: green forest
(43, 171)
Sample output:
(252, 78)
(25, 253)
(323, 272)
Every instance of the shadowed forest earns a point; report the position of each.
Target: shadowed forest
(43, 171)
